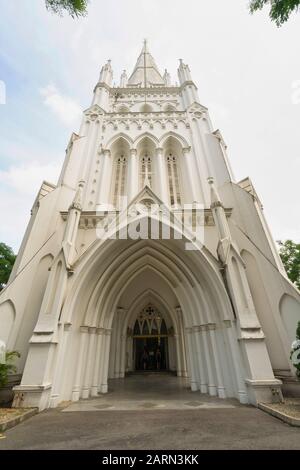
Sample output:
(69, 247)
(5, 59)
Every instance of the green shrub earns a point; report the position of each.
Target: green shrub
(8, 367)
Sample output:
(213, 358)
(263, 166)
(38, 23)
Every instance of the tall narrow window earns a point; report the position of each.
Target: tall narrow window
(146, 170)
(173, 176)
(120, 179)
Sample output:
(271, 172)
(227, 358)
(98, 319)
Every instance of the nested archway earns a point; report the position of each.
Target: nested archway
(185, 284)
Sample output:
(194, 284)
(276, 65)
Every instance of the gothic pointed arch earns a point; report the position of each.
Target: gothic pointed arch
(7, 319)
(290, 313)
(146, 135)
(120, 150)
(116, 137)
(146, 148)
(173, 153)
(179, 138)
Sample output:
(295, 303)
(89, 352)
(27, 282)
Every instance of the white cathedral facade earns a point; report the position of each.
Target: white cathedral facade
(148, 243)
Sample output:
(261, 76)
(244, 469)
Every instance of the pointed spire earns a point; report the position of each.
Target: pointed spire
(145, 73)
(184, 72)
(167, 78)
(106, 73)
(124, 79)
(145, 47)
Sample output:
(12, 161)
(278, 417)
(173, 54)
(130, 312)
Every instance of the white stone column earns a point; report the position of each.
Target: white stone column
(112, 356)
(191, 359)
(162, 176)
(190, 172)
(123, 356)
(236, 360)
(118, 344)
(220, 381)
(182, 342)
(89, 363)
(133, 175)
(58, 379)
(202, 372)
(212, 388)
(98, 361)
(105, 181)
(104, 385)
(81, 356)
(178, 356)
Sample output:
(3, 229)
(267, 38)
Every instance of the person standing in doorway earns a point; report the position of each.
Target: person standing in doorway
(158, 358)
(145, 358)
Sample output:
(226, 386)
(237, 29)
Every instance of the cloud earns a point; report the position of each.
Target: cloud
(26, 179)
(64, 107)
(18, 188)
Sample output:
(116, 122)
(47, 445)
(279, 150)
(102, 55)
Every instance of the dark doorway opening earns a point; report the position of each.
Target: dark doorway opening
(151, 353)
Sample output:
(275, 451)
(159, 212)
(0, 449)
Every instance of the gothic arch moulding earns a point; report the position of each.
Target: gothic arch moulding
(290, 314)
(7, 319)
(181, 140)
(119, 136)
(146, 135)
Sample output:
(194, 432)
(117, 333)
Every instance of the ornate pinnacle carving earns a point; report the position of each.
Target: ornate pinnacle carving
(76, 204)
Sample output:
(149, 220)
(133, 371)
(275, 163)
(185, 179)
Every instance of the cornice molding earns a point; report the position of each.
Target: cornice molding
(89, 220)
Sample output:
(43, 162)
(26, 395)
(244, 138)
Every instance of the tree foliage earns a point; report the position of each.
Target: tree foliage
(7, 259)
(8, 368)
(290, 255)
(280, 10)
(74, 8)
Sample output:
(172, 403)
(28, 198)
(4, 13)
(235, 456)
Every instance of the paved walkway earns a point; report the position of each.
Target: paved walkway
(150, 390)
(152, 412)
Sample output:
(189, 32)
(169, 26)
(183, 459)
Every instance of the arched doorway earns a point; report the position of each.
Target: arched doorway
(150, 341)
(109, 296)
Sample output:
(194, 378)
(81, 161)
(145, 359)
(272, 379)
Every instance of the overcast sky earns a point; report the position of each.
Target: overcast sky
(246, 69)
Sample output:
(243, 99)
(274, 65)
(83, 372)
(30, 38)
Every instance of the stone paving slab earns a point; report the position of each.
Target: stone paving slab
(141, 405)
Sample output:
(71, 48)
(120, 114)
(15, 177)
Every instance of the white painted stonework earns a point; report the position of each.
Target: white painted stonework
(81, 287)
